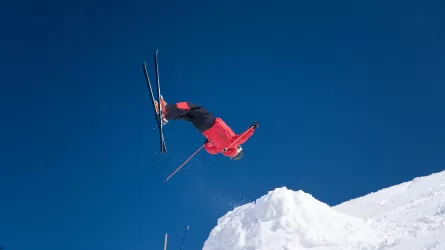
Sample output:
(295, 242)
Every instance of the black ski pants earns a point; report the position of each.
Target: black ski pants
(200, 117)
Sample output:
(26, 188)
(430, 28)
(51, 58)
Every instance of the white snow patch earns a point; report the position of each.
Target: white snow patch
(407, 216)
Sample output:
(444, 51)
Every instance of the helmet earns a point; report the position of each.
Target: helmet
(239, 153)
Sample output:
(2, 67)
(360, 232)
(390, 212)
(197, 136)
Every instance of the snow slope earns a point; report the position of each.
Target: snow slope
(407, 216)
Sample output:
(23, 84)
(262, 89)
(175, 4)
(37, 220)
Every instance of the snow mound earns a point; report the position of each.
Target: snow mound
(284, 219)
(406, 216)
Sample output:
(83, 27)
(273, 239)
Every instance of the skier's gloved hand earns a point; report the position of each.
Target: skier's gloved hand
(255, 125)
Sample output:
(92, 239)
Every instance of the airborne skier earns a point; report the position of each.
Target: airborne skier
(220, 137)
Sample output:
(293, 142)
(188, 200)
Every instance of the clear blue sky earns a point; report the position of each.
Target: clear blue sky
(349, 96)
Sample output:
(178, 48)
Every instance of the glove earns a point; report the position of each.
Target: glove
(255, 125)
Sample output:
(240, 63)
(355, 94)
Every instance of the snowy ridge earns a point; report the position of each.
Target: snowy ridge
(407, 216)
(412, 213)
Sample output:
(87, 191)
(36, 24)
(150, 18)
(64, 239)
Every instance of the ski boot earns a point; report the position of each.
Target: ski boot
(163, 104)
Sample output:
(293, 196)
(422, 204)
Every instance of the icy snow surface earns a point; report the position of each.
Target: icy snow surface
(408, 216)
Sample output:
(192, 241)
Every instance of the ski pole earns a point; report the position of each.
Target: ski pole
(183, 238)
(185, 162)
(225, 149)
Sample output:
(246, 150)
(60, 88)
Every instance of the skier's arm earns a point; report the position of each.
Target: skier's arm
(210, 148)
(244, 136)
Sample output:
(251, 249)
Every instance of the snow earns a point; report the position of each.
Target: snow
(408, 216)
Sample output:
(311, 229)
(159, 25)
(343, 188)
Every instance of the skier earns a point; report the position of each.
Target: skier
(220, 137)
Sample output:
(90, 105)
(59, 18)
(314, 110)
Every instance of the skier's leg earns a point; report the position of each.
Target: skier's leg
(197, 115)
(163, 103)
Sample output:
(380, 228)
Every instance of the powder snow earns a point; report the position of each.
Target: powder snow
(408, 216)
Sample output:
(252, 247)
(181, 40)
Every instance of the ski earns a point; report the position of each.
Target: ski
(163, 147)
(158, 116)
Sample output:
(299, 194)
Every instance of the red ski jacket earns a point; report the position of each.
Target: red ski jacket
(220, 136)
